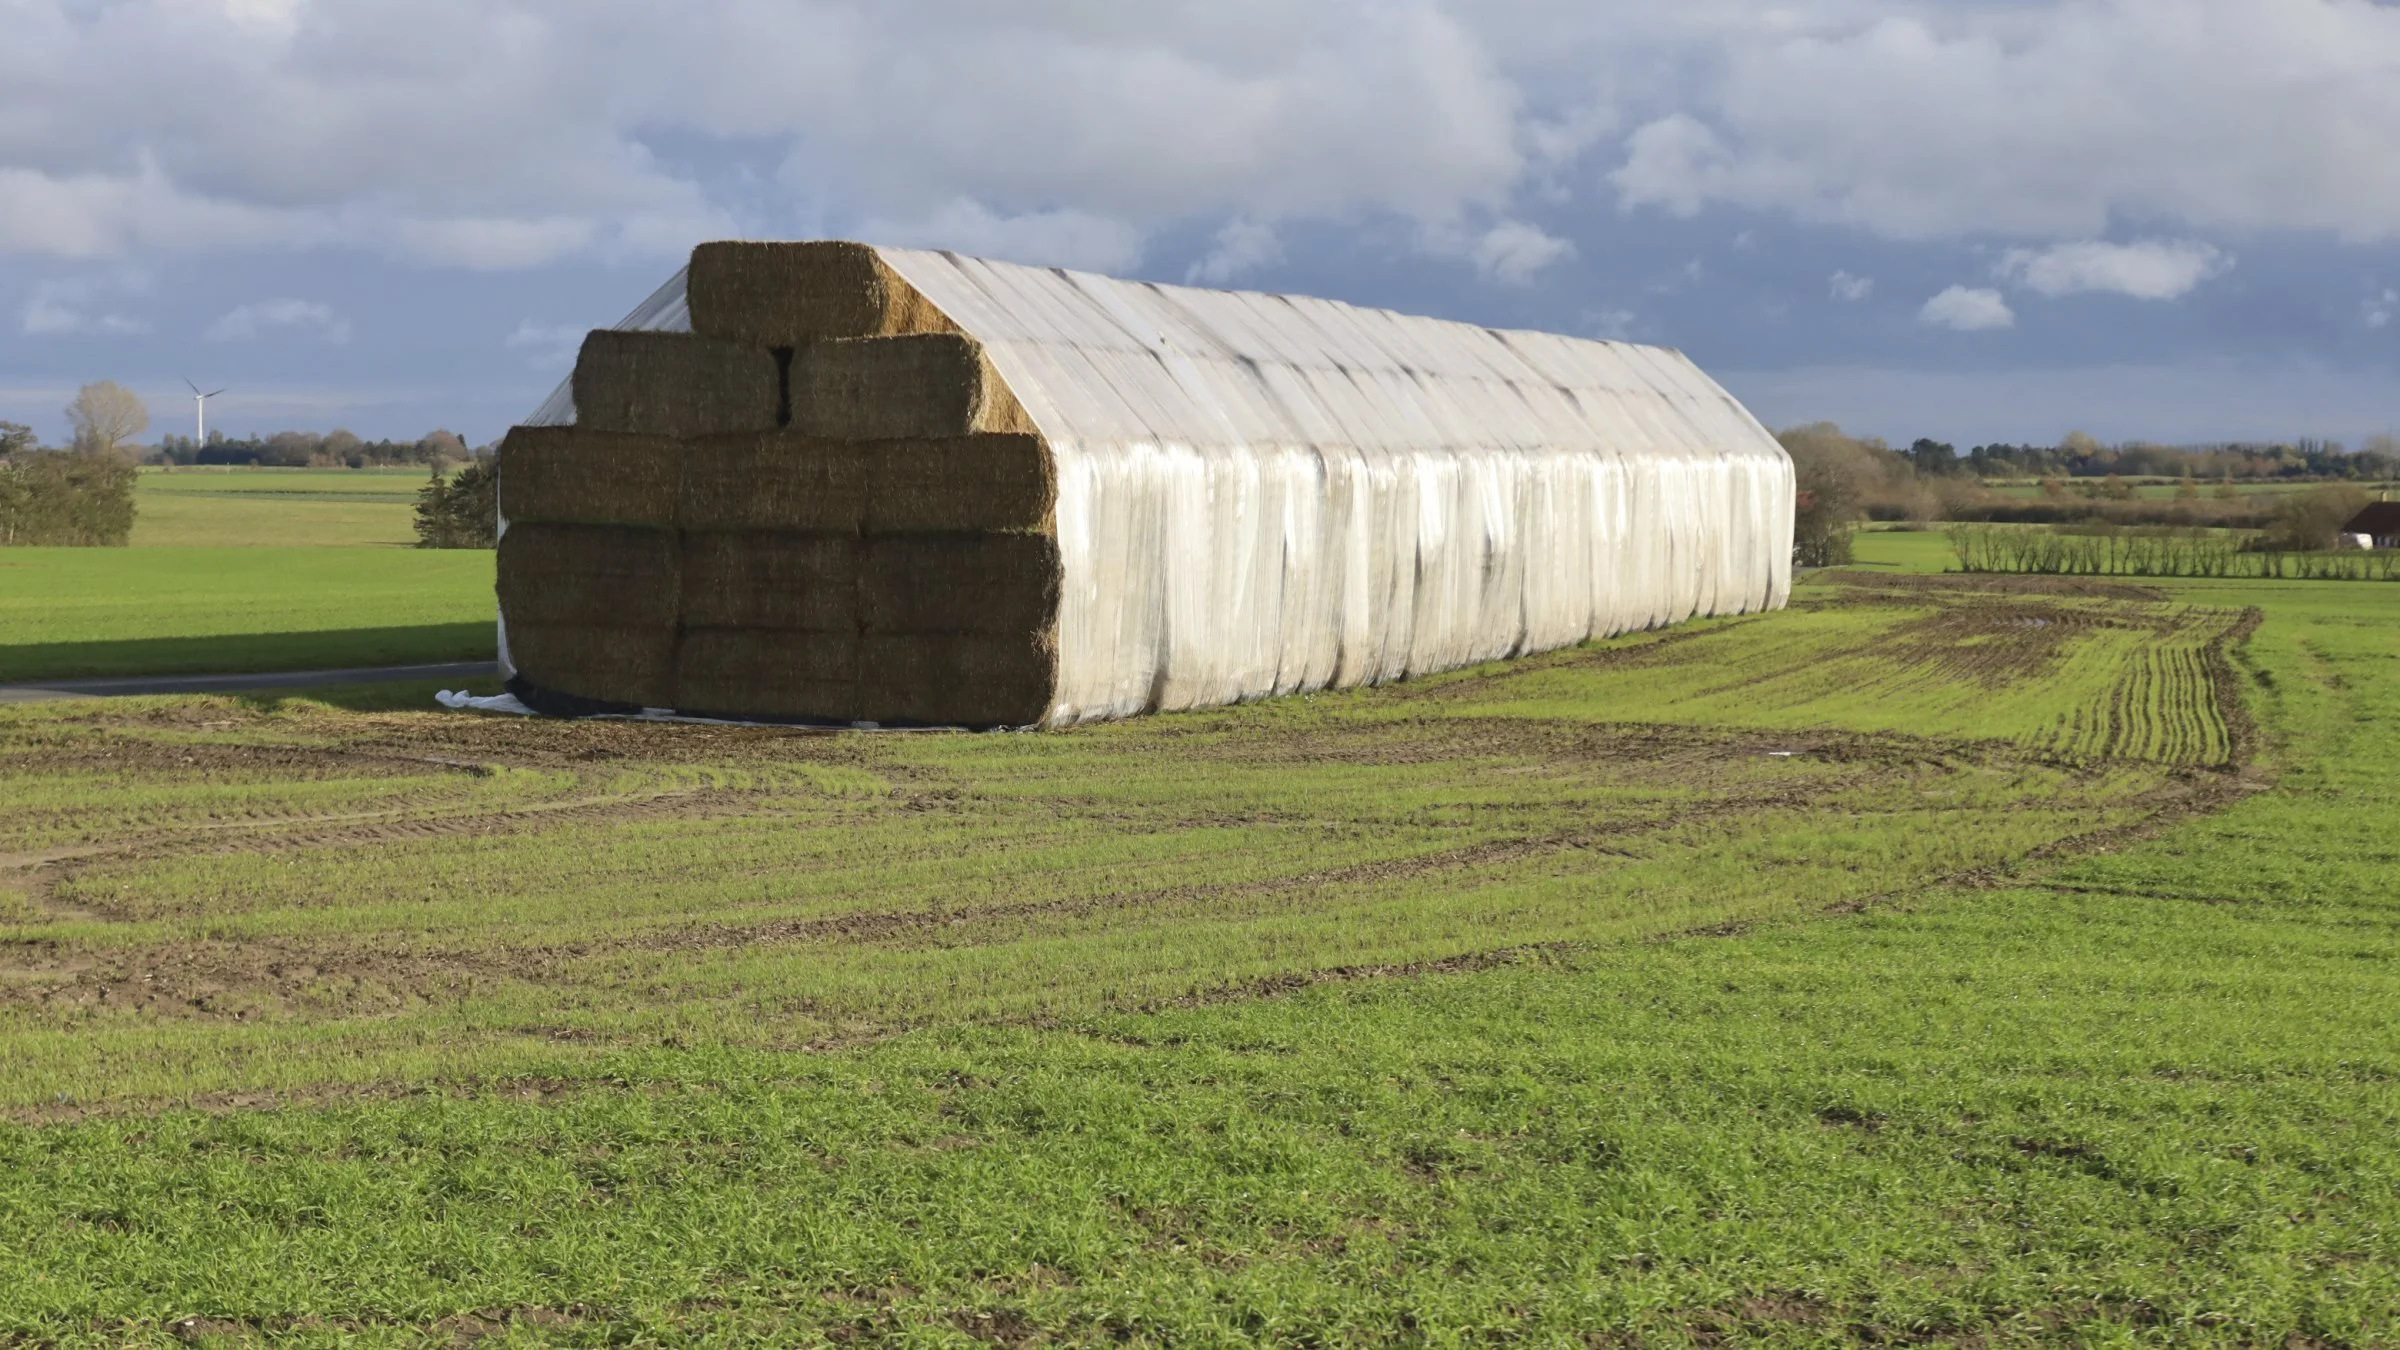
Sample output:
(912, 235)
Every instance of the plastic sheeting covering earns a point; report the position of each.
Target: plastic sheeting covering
(1263, 494)
(664, 312)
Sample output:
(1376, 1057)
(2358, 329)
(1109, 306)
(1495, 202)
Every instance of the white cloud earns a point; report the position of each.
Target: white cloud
(91, 306)
(1068, 238)
(1556, 143)
(142, 212)
(2380, 310)
(48, 316)
(1679, 164)
(2154, 269)
(550, 344)
(248, 322)
(489, 243)
(1968, 311)
(1850, 289)
(2043, 120)
(1513, 252)
(1243, 246)
(510, 133)
(516, 133)
(1616, 325)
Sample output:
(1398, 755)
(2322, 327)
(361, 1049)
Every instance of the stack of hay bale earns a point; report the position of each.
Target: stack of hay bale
(898, 486)
(821, 504)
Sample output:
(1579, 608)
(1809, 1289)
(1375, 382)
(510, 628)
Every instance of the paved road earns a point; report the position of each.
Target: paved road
(40, 690)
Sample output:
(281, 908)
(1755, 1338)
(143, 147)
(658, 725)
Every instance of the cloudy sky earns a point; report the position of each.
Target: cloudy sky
(1971, 219)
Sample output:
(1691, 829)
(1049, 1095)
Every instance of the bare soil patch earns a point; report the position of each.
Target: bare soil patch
(1656, 779)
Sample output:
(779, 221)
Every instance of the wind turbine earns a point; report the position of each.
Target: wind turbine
(199, 411)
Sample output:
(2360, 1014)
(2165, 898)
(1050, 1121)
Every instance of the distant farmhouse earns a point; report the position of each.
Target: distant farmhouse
(2376, 527)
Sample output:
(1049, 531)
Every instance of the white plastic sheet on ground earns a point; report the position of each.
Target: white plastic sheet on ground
(459, 700)
(1264, 494)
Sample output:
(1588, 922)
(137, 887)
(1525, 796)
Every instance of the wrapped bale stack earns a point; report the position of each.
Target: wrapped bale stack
(834, 482)
(820, 504)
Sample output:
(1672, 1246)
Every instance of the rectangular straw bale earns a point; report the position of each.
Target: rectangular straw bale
(995, 584)
(896, 388)
(785, 295)
(771, 579)
(955, 679)
(590, 574)
(614, 663)
(776, 481)
(675, 384)
(574, 475)
(750, 672)
(986, 482)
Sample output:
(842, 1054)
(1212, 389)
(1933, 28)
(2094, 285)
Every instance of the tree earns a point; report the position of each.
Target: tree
(15, 438)
(106, 416)
(74, 498)
(1934, 459)
(460, 510)
(1833, 473)
(2308, 522)
(441, 449)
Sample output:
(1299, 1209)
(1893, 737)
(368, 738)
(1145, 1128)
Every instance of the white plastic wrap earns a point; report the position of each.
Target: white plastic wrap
(1263, 494)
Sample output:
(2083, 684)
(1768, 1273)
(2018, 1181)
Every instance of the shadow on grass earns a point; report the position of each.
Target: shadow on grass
(250, 653)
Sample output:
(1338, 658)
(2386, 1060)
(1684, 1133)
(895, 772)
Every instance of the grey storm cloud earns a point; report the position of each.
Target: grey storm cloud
(1933, 185)
(2044, 120)
(508, 134)
(511, 133)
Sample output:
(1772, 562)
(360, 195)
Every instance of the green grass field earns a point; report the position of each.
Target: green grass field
(1922, 551)
(1979, 961)
(147, 611)
(281, 508)
(243, 569)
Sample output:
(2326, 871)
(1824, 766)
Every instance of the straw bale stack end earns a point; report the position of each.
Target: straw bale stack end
(676, 384)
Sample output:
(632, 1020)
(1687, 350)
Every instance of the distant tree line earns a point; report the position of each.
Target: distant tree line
(1844, 479)
(82, 494)
(108, 416)
(2081, 456)
(309, 449)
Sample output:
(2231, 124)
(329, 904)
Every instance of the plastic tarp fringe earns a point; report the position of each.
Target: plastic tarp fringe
(1262, 494)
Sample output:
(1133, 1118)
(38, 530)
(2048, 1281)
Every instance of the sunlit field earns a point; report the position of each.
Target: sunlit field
(240, 507)
(1992, 959)
(150, 611)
